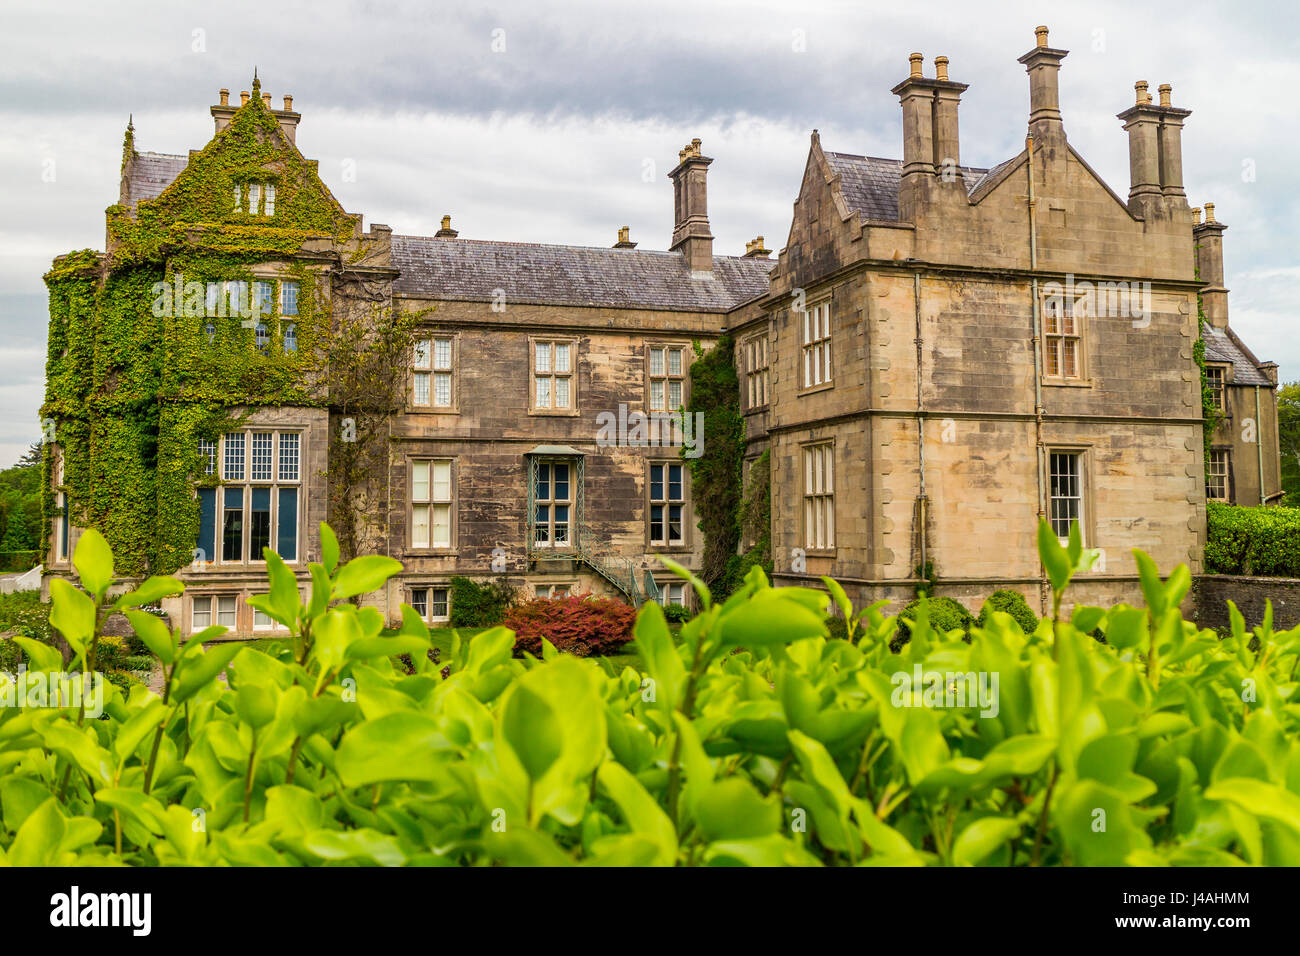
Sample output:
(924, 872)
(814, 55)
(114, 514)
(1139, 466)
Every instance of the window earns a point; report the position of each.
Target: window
(553, 375)
(222, 607)
(667, 375)
(819, 497)
(261, 620)
(254, 197)
(263, 338)
(1216, 379)
(673, 592)
(432, 604)
(553, 592)
(202, 613)
(63, 524)
(1061, 349)
(256, 505)
(431, 501)
(1216, 484)
(755, 356)
(553, 501)
(210, 331)
(817, 345)
(264, 296)
(433, 372)
(290, 336)
(208, 455)
(1065, 471)
(226, 611)
(269, 205)
(288, 298)
(667, 502)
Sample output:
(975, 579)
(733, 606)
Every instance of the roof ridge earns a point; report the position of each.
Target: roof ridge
(564, 245)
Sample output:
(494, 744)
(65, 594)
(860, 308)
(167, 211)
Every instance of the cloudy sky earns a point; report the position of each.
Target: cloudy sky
(557, 121)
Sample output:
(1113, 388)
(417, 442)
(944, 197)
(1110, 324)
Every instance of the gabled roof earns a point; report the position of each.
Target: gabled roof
(1221, 345)
(151, 173)
(870, 184)
(531, 273)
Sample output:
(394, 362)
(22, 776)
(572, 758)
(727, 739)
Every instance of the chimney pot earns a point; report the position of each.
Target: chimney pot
(916, 59)
(1040, 35)
(624, 238)
(1143, 97)
(1209, 212)
(1196, 215)
(266, 100)
(941, 68)
(1166, 92)
(243, 97)
(288, 103)
(223, 97)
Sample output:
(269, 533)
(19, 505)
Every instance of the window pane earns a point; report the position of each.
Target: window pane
(561, 393)
(289, 456)
(674, 395)
(208, 455)
(207, 542)
(270, 200)
(420, 601)
(287, 525)
(543, 357)
(289, 298)
(543, 393)
(441, 389)
(421, 388)
(656, 396)
(420, 481)
(261, 619)
(441, 534)
(442, 481)
(226, 611)
(656, 522)
(674, 361)
(232, 528)
(263, 296)
(674, 524)
(419, 526)
(233, 466)
(202, 616)
(442, 353)
(675, 482)
(290, 337)
(422, 352)
(656, 361)
(259, 523)
(561, 358)
(254, 197)
(261, 463)
(656, 482)
(440, 603)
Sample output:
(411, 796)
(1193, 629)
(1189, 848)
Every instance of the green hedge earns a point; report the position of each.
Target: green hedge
(1008, 602)
(1264, 542)
(480, 605)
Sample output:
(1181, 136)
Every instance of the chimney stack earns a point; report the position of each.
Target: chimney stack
(1043, 64)
(1142, 123)
(916, 97)
(947, 147)
(754, 249)
(1171, 150)
(1208, 237)
(624, 238)
(446, 232)
(224, 112)
(690, 208)
(287, 118)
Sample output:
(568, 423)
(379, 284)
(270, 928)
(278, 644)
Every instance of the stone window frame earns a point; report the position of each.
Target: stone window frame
(428, 587)
(665, 377)
(452, 503)
(432, 336)
(1226, 475)
(1087, 512)
(663, 547)
(1225, 379)
(1081, 333)
(754, 373)
(806, 326)
(574, 343)
(809, 497)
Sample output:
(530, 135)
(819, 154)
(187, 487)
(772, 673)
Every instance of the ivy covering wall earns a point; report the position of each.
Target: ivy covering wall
(134, 375)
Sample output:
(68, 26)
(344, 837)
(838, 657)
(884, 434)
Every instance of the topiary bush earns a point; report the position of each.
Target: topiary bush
(946, 615)
(1264, 542)
(480, 605)
(582, 626)
(677, 614)
(1008, 602)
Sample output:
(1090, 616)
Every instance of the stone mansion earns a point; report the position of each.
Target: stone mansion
(939, 355)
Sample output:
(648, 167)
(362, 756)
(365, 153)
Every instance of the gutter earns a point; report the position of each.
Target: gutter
(1038, 359)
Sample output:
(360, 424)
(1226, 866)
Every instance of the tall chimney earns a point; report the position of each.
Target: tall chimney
(947, 148)
(1209, 264)
(1142, 123)
(288, 119)
(916, 95)
(1171, 149)
(223, 111)
(690, 208)
(1043, 64)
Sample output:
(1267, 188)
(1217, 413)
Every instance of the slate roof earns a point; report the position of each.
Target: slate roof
(870, 184)
(1221, 346)
(151, 173)
(473, 270)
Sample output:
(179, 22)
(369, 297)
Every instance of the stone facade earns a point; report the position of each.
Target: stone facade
(939, 355)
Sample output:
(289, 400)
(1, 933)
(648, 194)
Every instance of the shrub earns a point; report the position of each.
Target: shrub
(946, 615)
(582, 626)
(1008, 602)
(1264, 542)
(480, 605)
(677, 614)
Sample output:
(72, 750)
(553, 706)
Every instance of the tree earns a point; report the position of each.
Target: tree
(1288, 427)
(20, 512)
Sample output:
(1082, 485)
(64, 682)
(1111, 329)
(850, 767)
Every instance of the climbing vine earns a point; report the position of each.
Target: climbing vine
(148, 352)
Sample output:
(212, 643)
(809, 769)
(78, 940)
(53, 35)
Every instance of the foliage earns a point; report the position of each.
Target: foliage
(1288, 428)
(716, 475)
(480, 605)
(1264, 542)
(20, 513)
(753, 740)
(1008, 602)
(945, 615)
(578, 624)
(755, 527)
(677, 614)
(24, 614)
(1211, 416)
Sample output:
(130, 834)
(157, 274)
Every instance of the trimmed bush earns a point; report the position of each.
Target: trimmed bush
(1008, 602)
(582, 626)
(677, 614)
(946, 614)
(1264, 542)
(480, 605)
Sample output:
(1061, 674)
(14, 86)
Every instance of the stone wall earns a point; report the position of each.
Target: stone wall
(1211, 592)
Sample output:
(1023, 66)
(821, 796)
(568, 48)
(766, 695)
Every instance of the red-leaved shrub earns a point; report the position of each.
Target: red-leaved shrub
(582, 626)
